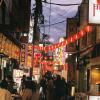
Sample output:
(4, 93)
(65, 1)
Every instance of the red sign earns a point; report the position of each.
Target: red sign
(37, 55)
(98, 1)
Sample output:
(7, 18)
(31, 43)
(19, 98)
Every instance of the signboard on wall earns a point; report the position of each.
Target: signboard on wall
(94, 11)
(94, 97)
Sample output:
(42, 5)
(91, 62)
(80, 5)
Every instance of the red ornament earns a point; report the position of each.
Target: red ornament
(81, 33)
(88, 28)
(66, 42)
(51, 47)
(45, 58)
(69, 40)
(50, 57)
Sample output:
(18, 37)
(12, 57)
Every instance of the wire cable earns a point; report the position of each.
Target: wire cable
(54, 23)
(50, 16)
(74, 4)
(55, 12)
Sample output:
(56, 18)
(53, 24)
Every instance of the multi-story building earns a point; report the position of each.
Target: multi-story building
(14, 19)
(9, 54)
(89, 70)
(86, 70)
(71, 48)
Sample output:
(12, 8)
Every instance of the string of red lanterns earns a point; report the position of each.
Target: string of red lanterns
(71, 39)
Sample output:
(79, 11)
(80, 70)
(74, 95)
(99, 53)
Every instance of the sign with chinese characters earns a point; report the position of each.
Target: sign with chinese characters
(23, 53)
(94, 11)
(94, 97)
(8, 48)
(29, 55)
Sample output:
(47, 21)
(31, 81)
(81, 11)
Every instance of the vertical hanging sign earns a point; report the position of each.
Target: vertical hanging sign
(29, 55)
(94, 11)
(22, 56)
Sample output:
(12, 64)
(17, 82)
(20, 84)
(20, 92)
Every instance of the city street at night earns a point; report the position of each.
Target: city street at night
(49, 49)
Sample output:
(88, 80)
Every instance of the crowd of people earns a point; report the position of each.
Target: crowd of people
(55, 87)
(50, 87)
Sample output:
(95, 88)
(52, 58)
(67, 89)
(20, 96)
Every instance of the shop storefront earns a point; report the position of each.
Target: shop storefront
(95, 76)
(9, 53)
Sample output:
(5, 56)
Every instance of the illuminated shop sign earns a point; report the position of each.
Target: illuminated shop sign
(94, 11)
(8, 48)
(94, 97)
(22, 57)
(29, 55)
(17, 73)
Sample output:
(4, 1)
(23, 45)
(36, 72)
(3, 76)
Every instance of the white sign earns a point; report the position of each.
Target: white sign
(17, 73)
(30, 39)
(94, 11)
(94, 97)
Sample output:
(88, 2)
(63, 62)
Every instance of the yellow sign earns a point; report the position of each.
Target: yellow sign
(29, 57)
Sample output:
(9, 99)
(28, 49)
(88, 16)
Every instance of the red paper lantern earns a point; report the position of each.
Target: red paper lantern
(88, 28)
(45, 57)
(81, 33)
(50, 57)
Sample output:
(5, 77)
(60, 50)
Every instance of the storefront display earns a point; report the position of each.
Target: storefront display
(8, 48)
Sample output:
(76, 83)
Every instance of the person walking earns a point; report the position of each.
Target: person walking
(4, 93)
(29, 93)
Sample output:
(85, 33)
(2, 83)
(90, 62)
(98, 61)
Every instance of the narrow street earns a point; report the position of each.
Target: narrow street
(49, 49)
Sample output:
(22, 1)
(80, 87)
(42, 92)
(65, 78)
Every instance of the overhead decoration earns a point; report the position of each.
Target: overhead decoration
(67, 41)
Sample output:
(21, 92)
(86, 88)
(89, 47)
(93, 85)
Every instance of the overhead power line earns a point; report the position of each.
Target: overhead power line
(62, 4)
(55, 12)
(53, 24)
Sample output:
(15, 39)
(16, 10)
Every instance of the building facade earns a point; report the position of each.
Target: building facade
(9, 54)
(88, 74)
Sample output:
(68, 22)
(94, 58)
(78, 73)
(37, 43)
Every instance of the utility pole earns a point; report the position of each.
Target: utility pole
(37, 13)
(78, 62)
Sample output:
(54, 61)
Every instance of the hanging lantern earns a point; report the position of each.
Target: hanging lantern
(45, 58)
(81, 33)
(60, 44)
(69, 40)
(51, 47)
(76, 36)
(46, 49)
(88, 28)
(66, 41)
(50, 57)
